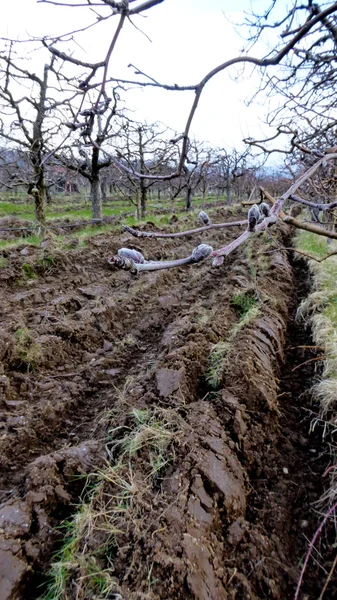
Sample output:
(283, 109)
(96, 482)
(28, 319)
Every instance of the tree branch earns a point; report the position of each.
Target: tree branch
(179, 234)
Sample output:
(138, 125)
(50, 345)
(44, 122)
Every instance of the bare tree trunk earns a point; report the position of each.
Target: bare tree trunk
(143, 198)
(229, 193)
(188, 198)
(137, 204)
(96, 199)
(103, 189)
(171, 205)
(95, 187)
(143, 189)
(39, 190)
(203, 199)
(39, 194)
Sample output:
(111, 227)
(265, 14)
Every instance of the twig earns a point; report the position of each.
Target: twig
(305, 348)
(311, 547)
(328, 578)
(329, 469)
(308, 361)
(291, 220)
(306, 254)
(66, 374)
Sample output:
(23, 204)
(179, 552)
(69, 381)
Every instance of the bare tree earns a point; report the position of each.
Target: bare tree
(300, 24)
(31, 107)
(89, 158)
(143, 148)
(305, 84)
(229, 166)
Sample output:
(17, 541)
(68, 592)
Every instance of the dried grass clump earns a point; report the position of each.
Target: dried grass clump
(321, 309)
(220, 352)
(115, 505)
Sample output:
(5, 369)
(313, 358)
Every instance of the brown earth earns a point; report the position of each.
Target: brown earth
(230, 514)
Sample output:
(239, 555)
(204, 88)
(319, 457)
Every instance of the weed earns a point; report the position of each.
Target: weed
(32, 240)
(321, 307)
(45, 264)
(220, 351)
(14, 208)
(3, 262)
(150, 580)
(28, 271)
(26, 351)
(243, 302)
(216, 364)
(312, 244)
(94, 581)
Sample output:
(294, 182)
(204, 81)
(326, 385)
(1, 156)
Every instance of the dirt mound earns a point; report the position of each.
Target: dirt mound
(28, 523)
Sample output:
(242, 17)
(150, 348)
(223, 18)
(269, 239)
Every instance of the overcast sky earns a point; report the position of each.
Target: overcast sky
(188, 38)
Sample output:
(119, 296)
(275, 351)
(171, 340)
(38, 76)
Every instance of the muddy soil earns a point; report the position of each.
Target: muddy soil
(230, 515)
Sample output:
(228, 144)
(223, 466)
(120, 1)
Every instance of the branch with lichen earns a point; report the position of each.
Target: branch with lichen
(260, 218)
(157, 234)
(133, 261)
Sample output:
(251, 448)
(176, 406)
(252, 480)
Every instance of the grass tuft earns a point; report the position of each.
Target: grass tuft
(220, 351)
(3, 262)
(137, 453)
(26, 350)
(244, 301)
(28, 271)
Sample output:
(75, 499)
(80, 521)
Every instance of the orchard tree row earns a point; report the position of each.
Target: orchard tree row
(65, 119)
(147, 149)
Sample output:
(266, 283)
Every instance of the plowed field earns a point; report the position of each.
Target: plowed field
(219, 506)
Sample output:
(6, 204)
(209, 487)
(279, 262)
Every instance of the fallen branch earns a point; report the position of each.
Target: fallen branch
(128, 264)
(157, 234)
(250, 202)
(259, 220)
(219, 254)
(323, 207)
(250, 231)
(307, 227)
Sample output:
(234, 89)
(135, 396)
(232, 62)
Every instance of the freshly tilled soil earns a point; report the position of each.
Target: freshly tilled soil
(229, 514)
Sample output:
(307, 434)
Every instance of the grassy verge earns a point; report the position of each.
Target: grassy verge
(321, 308)
(75, 207)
